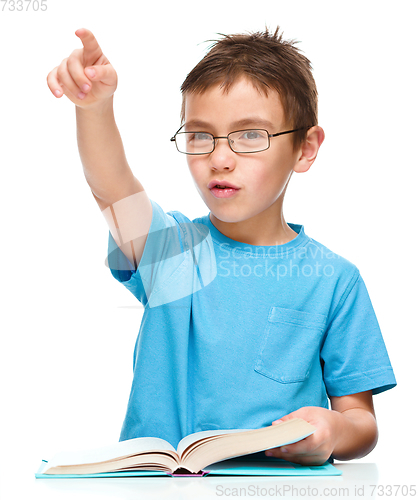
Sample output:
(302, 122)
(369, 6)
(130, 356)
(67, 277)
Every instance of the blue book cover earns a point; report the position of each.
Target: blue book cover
(269, 466)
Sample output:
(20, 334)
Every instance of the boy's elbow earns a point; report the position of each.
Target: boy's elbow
(360, 439)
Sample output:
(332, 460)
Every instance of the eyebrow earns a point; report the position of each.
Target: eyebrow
(245, 122)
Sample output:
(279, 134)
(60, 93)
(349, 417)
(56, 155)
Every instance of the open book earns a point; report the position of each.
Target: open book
(194, 452)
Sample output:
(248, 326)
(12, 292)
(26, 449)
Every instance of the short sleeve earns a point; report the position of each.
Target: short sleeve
(354, 354)
(178, 260)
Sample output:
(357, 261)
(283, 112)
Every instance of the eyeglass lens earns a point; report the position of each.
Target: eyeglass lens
(241, 141)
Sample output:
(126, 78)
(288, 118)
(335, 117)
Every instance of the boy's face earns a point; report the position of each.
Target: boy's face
(261, 177)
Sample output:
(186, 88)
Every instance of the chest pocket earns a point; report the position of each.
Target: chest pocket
(290, 344)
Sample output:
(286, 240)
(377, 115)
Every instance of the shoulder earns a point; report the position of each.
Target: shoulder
(192, 228)
(181, 217)
(177, 222)
(330, 264)
(178, 216)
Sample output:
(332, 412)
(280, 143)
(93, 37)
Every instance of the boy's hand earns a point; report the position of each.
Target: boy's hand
(347, 431)
(86, 77)
(316, 448)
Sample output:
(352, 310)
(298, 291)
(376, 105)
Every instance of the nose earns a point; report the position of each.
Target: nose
(222, 158)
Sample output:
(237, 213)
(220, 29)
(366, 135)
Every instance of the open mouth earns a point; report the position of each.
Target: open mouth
(223, 191)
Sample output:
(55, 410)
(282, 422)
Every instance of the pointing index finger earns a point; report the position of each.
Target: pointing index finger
(92, 50)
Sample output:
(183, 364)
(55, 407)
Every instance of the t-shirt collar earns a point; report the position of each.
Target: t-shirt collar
(300, 239)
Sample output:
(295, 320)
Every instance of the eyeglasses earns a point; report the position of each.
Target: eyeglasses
(240, 141)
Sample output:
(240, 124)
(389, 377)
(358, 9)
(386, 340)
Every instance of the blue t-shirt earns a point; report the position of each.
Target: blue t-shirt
(236, 335)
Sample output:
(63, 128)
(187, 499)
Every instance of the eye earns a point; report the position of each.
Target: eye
(201, 136)
(251, 135)
(194, 137)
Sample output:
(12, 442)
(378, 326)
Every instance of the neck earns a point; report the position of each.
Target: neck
(260, 230)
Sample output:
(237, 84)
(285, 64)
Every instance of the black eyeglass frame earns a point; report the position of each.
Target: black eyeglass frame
(173, 139)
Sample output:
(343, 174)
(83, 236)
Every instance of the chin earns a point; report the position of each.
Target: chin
(227, 218)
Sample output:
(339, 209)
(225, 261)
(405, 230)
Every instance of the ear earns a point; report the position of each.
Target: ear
(309, 149)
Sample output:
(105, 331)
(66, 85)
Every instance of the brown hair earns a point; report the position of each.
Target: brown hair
(270, 63)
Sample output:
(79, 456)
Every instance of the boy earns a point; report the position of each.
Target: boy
(247, 320)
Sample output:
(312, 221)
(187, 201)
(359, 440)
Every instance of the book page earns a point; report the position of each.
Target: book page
(229, 445)
(120, 449)
(197, 436)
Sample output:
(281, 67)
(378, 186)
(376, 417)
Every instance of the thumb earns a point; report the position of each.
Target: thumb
(104, 73)
(285, 418)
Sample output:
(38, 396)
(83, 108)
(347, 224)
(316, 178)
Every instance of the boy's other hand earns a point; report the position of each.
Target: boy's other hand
(86, 77)
(347, 431)
(316, 448)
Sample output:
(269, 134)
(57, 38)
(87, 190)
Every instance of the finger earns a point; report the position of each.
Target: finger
(67, 81)
(298, 458)
(104, 73)
(279, 453)
(286, 418)
(304, 459)
(53, 83)
(305, 446)
(289, 416)
(92, 50)
(76, 70)
(73, 98)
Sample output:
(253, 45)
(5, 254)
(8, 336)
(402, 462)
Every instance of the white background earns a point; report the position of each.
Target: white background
(68, 328)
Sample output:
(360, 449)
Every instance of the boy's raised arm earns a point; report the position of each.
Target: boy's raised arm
(88, 79)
